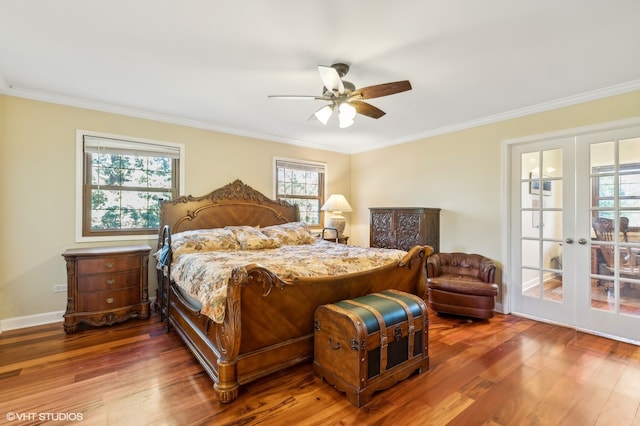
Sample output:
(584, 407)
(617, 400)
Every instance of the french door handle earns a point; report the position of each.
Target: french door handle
(582, 241)
(569, 240)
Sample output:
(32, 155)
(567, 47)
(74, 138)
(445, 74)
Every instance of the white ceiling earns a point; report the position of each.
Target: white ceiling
(211, 64)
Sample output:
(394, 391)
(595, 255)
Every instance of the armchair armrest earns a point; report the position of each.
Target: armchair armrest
(433, 266)
(488, 270)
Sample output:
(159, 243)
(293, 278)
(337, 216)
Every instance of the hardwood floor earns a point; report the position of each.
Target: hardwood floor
(507, 371)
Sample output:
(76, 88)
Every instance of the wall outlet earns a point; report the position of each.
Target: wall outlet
(59, 288)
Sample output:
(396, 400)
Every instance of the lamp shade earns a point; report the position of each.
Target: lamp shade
(337, 203)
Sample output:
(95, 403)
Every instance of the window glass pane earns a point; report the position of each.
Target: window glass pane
(531, 253)
(629, 186)
(531, 280)
(159, 179)
(134, 177)
(102, 199)
(552, 163)
(605, 185)
(629, 154)
(126, 185)
(551, 253)
(530, 163)
(108, 218)
(602, 154)
(552, 193)
(552, 224)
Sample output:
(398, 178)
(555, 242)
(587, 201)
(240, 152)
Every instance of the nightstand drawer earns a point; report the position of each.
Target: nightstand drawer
(103, 300)
(108, 264)
(104, 282)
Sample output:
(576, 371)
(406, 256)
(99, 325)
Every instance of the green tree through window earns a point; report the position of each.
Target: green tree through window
(124, 181)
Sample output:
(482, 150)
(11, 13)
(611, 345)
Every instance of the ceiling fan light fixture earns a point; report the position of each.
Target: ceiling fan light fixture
(346, 114)
(324, 113)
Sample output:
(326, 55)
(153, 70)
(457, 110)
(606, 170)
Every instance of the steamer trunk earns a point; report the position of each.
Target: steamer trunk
(369, 343)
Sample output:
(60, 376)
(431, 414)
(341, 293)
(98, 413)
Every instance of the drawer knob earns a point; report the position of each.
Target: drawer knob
(109, 265)
(111, 281)
(110, 300)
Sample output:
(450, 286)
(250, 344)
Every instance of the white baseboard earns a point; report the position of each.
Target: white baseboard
(31, 320)
(37, 319)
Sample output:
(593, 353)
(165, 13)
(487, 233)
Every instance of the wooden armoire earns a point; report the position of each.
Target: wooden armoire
(404, 227)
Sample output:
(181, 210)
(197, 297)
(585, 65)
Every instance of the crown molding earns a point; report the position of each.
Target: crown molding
(7, 89)
(619, 89)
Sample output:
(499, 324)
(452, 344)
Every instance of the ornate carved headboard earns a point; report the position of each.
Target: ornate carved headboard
(233, 204)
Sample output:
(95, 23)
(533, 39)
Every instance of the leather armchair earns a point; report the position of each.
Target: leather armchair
(461, 284)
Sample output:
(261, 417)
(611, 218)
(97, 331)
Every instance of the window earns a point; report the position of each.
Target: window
(301, 183)
(122, 181)
(603, 191)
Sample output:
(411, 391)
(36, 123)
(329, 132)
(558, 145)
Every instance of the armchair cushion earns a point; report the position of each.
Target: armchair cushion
(463, 286)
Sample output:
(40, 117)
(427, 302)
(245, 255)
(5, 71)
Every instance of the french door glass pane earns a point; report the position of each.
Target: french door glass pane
(630, 298)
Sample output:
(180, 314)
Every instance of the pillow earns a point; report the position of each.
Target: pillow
(201, 240)
(250, 238)
(292, 233)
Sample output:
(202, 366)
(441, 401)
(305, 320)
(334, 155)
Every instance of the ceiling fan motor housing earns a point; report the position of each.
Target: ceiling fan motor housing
(349, 87)
(342, 69)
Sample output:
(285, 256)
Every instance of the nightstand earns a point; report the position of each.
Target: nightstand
(339, 240)
(333, 232)
(106, 285)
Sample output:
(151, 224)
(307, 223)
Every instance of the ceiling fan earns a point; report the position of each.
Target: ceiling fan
(344, 98)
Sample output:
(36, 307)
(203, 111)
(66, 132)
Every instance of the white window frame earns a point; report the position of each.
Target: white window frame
(80, 137)
(314, 164)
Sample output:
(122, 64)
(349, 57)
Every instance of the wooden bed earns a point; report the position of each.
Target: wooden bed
(268, 322)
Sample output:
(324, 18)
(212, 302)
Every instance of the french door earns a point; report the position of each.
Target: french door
(543, 229)
(575, 227)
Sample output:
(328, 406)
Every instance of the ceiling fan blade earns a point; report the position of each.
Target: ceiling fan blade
(331, 79)
(367, 109)
(380, 90)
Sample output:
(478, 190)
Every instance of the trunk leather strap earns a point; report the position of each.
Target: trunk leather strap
(383, 331)
(410, 322)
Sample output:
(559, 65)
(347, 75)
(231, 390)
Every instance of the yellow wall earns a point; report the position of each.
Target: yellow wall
(459, 172)
(37, 186)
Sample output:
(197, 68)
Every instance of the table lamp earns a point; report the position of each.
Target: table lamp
(335, 205)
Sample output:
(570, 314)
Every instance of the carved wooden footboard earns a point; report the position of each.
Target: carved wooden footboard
(268, 322)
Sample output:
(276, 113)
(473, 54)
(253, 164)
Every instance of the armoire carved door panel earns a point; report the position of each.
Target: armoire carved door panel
(409, 233)
(381, 229)
(404, 227)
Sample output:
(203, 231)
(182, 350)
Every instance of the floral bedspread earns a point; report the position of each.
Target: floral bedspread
(205, 275)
